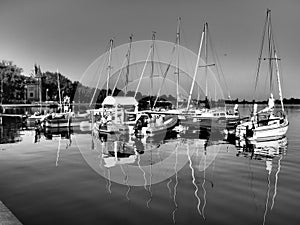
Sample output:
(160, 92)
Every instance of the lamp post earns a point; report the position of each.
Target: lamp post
(47, 94)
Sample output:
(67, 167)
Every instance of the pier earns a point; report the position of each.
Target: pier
(7, 217)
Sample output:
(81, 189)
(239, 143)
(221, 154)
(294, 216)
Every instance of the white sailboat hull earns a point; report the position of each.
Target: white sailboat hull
(268, 132)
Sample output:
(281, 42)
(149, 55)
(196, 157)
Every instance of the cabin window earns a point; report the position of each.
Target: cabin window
(129, 108)
(263, 123)
(129, 117)
(222, 114)
(108, 106)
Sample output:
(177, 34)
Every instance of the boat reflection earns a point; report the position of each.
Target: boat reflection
(269, 152)
(197, 148)
(140, 161)
(56, 132)
(120, 149)
(263, 149)
(10, 129)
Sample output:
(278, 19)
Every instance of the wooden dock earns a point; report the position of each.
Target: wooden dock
(7, 217)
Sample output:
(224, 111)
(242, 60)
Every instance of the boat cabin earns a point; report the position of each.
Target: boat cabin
(121, 109)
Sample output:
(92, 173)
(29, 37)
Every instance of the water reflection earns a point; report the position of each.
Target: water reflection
(123, 150)
(175, 186)
(10, 130)
(263, 149)
(118, 149)
(269, 152)
(193, 179)
(142, 160)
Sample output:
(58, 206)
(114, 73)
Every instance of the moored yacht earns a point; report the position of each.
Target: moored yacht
(266, 124)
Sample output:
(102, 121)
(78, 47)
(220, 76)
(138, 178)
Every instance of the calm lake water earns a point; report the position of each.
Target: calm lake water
(79, 179)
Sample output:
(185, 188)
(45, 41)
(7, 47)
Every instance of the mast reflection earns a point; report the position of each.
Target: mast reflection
(267, 151)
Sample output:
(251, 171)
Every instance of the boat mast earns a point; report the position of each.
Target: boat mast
(58, 85)
(206, 56)
(128, 62)
(270, 48)
(143, 71)
(196, 69)
(109, 65)
(177, 45)
(260, 55)
(152, 64)
(40, 76)
(215, 92)
(279, 83)
(121, 70)
(206, 65)
(164, 76)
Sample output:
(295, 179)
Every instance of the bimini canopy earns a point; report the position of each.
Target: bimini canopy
(119, 100)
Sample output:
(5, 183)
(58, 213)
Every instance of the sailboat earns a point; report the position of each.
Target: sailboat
(38, 116)
(61, 119)
(121, 113)
(266, 124)
(65, 118)
(207, 117)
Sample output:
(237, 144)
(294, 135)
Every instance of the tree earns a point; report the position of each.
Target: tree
(12, 82)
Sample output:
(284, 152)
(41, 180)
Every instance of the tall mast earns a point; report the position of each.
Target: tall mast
(128, 63)
(270, 47)
(58, 85)
(198, 95)
(39, 75)
(152, 63)
(206, 56)
(40, 89)
(272, 50)
(195, 71)
(279, 83)
(215, 92)
(143, 71)
(177, 45)
(260, 54)
(109, 65)
(271, 57)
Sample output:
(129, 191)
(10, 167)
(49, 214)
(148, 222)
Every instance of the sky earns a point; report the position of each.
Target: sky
(69, 35)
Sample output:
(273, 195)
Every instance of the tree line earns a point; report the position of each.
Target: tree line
(14, 83)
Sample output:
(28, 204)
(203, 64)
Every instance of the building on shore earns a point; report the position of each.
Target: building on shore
(32, 92)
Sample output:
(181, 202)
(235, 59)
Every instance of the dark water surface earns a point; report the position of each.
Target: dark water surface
(58, 181)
